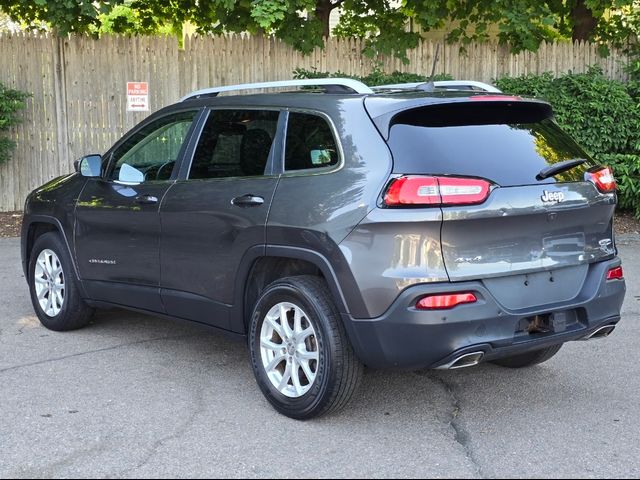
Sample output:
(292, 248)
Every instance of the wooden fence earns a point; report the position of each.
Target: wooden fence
(79, 84)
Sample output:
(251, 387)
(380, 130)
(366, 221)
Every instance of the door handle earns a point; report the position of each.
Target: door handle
(146, 199)
(248, 200)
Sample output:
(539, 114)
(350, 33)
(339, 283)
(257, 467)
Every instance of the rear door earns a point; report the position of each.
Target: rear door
(218, 212)
(527, 224)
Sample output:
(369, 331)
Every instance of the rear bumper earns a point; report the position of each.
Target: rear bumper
(408, 338)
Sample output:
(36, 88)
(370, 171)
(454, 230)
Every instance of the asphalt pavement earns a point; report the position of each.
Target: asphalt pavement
(138, 396)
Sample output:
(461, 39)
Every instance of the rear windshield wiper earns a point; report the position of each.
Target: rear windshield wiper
(560, 167)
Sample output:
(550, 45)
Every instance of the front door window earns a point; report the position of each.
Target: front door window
(151, 153)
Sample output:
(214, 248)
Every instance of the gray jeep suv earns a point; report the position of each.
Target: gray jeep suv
(339, 226)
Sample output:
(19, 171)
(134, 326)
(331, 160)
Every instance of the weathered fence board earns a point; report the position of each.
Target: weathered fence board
(79, 84)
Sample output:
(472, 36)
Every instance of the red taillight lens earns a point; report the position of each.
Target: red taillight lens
(436, 191)
(445, 301)
(413, 191)
(603, 179)
(615, 273)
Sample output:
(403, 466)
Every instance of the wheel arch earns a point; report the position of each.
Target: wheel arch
(35, 227)
(260, 267)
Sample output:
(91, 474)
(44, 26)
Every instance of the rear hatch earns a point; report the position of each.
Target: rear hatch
(505, 211)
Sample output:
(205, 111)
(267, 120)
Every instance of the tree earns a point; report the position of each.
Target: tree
(523, 24)
(69, 16)
(305, 24)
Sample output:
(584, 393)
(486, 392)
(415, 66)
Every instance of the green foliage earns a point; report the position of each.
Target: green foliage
(524, 24)
(68, 16)
(377, 77)
(124, 19)
(387, 26)
(602, 115)
(11, 102)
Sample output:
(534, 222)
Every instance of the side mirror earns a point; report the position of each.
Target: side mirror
(129, 175)
(89, 166)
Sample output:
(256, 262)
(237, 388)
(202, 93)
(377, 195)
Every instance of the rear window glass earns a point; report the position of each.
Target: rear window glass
(508, 144)
(234, 143)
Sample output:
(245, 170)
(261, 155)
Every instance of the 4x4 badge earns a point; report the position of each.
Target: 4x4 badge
(555, 197)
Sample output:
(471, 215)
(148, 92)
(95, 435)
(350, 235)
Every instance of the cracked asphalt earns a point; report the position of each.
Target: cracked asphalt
(138, 396)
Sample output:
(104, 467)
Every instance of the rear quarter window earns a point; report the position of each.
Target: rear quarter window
(310, 143)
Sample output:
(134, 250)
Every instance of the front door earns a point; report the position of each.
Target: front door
(117, 230)
(211, 218)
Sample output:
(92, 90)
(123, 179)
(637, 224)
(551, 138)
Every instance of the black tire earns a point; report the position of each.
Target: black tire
(338, 371)
(528, 359)
(75, 313)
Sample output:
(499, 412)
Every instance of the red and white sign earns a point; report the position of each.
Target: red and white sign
(137, 97)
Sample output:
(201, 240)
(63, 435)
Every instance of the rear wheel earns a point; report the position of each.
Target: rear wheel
(300, 354)
(52, 284)
(528, 359)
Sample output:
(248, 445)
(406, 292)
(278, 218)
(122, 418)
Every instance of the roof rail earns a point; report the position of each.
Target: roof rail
(442, 85)
(332, 85)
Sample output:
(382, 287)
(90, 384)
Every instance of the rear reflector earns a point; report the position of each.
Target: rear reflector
(445, 301)
(603, 179)
(415, 190)
(615, 273)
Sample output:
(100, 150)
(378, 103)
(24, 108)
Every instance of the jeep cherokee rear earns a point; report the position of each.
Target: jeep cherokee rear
(394, 229)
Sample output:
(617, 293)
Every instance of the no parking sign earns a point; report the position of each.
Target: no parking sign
(137, 96)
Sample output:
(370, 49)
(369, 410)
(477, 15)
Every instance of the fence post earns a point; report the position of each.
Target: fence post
(60, 95)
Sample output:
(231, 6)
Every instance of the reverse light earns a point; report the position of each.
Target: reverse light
(603, 179)
(445, 301)
(615, 273)
(418, 190)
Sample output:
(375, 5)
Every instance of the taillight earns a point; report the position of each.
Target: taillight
(415, 190)
(603, 179)
(445, 301)
(615, 273)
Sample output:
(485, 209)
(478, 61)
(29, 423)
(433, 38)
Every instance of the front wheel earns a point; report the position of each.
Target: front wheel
(300, 354)
(52, 284)
(528, 359)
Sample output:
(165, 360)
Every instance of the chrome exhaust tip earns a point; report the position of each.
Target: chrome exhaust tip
(601, 332)
(463, 361)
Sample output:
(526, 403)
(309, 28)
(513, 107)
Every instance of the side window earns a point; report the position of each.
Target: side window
(234, 143)
(151, 153)
(310, 143)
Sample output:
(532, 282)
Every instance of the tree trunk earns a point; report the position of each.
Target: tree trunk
(323, 12)
(584, 22)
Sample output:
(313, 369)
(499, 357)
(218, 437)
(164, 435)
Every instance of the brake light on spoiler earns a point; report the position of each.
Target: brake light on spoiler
(436, 191)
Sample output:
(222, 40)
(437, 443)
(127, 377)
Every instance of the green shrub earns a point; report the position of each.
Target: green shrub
(11, 102)
(377, 77)
(603, 115)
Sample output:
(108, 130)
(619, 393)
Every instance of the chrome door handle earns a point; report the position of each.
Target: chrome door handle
(248, 200)
(146, 199)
